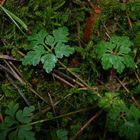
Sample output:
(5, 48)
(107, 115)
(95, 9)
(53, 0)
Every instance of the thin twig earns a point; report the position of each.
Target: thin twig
(129, 20)
(86, 124)
(6, 69)
(63, 80)
(17, 88)
(1, 97)
(2, 56)
(78, 34)
(2, 2)
(69, 78)
(23, 82)
(137, 77)
(75, 75)
(53, 107)
(127, 90)
(55, 104)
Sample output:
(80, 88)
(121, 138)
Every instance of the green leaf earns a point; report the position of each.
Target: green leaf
(130, 129)
(124, 50)
(61, 34)
(134, 113)
(118, 63)
(49, 62)
(102, 47)
(22, 133)
(110, 100)
(25, 133)
(63, 50)
(33, 57)
(25, 115)
(107, 61)
(129, 61)
(12, 109)
(10, 121)
(115, 53)
(123, 41)
(16, 124)
(38, 37)
(50, 40)
(44, 45)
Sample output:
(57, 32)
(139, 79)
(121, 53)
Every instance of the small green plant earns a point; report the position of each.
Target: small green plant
(120, 118)
(48, 48)
(116, 53)
(16, 123)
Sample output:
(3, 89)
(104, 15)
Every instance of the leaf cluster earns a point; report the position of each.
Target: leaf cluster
(16, 123)
(116, 53)
(120, 117)
(48, 48)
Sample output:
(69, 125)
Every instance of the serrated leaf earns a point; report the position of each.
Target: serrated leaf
(129, 61)
(121, 41)
(12, 109)
(124, 50)
(25, 115)
(102, 47)
(9, 121)
(106, 61)
(37, 38)
(132, 130)
(33, 57)
(118, 63)
(63, 50)
(133, 113)
(25, 133)
(49, 62)
(61, 34)
(50, 40)
(115, 53)
(22, 133)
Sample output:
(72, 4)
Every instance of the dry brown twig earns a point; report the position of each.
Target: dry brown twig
(2, 2)
(13, 72)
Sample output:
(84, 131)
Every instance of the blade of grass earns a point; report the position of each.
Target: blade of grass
(16, 20)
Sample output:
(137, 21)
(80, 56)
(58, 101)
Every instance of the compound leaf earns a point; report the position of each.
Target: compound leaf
(115, 53)
(49, 61)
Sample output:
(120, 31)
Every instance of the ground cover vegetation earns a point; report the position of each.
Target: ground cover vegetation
(69, 69)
